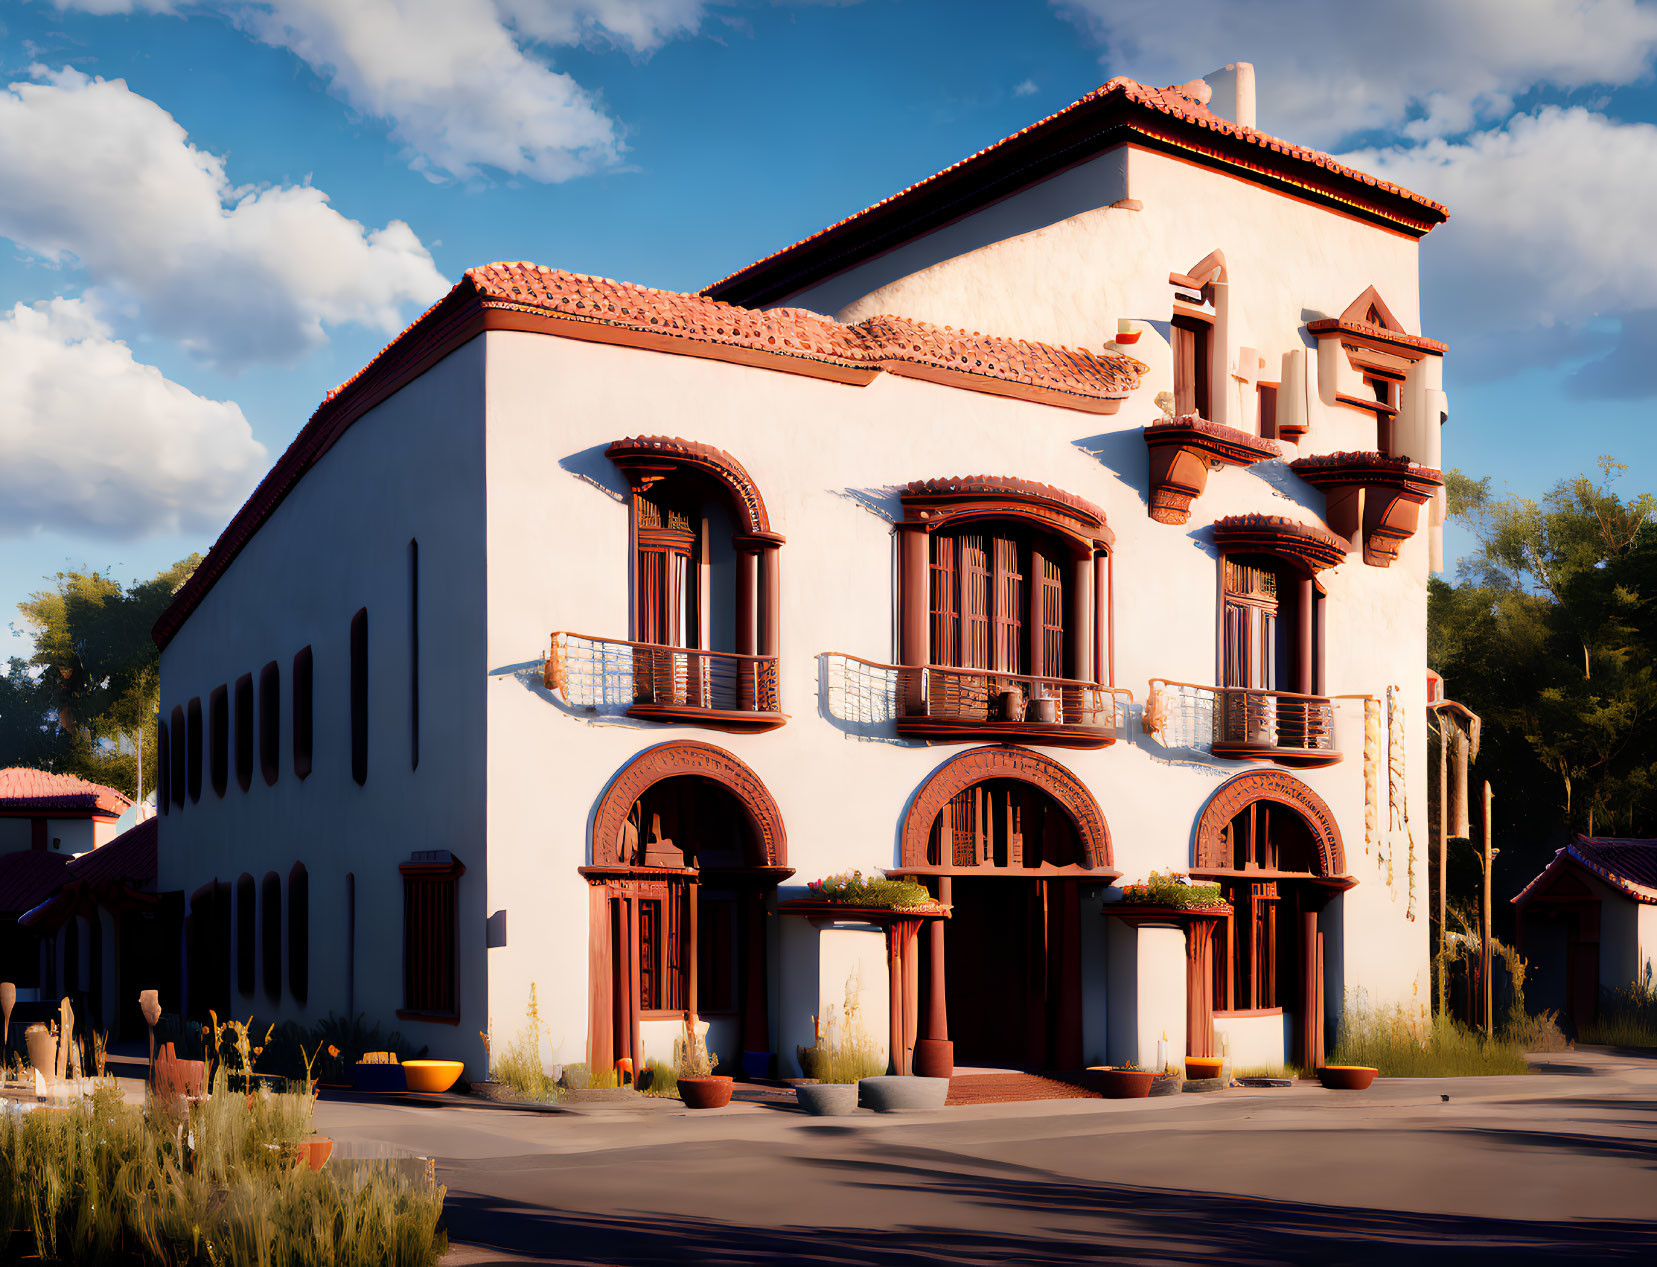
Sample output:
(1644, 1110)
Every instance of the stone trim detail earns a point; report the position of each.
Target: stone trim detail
(657, 455)
(1272, 785)
(674, 760)
(980, 764)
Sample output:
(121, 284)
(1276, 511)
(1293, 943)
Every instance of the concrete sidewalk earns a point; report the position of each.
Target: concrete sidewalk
(1560, 1164)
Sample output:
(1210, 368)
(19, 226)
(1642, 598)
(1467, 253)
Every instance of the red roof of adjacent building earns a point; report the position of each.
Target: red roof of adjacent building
(23, 790)
(1121, 110)
(522, 296)
(30, 876)
(130, 857)
(1627, 864)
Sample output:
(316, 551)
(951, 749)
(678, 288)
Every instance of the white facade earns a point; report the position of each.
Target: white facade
(493, 459)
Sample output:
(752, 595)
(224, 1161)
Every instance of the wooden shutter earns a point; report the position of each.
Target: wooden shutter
(1052, 620)
(945, 602)
(1268, 411)
(667, 608)
(1009, 607)
(974, 652)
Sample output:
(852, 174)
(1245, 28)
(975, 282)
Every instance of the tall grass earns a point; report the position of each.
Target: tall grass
(1627, 1017)
(844, 1052)
(519, 1066)
(216, 1184)
(1402, 1046)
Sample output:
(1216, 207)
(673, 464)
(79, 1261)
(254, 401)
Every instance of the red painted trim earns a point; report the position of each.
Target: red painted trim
(1245, 789)
(1250, 1011)
(649, 456)
(1048, 734)
(678, 759)
(980, 764)
(730, 721)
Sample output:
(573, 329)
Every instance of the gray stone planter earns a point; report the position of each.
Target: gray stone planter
(902, 1094)
(827, 1099)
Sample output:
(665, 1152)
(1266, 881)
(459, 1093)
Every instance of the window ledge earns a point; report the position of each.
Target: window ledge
(431, 1018)
(1241, 1013)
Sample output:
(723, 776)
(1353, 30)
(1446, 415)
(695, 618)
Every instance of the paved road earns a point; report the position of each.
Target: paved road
(1561, 1166)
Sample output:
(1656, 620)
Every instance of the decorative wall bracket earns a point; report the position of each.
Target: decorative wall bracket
(1184, 450)
(1393, 492)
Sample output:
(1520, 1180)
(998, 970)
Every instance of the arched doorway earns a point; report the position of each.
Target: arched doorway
(1008, 838)
(687, 848)
(1272, 845)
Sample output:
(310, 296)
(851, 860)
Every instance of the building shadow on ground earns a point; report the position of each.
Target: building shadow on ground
(1031, 1216)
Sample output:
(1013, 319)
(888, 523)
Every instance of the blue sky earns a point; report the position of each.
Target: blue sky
(215, 211)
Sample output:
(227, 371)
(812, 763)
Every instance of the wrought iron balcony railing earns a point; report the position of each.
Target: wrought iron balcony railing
(1243, 723)
(719, 689)
(942, 702)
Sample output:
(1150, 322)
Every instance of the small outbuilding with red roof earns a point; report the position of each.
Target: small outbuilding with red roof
(57, 813)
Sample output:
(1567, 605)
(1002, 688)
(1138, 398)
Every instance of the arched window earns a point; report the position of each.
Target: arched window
(705, 615)
(244, 731)
(299, 933)
(270, 722)
(1258, 964)
(359, 696)
(247, 914)
(1004, 613)
(302, 706)
(193, 761)
(270, 934)
(218, 738)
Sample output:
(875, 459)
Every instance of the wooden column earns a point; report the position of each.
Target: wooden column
(937, 1000)
(1485, 960)
(756, 1021)
(747, 597)
(1306, 662)
(1199, 985)
(913, 635)
(1079, 619)
(1311, 993)
(692, 943)
(770, 601)
(1443, 853)
(1104, 620)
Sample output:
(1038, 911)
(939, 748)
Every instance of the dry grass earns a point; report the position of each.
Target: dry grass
(519, 1066)
(844, 1052)
(1627, 1017)
(1401, 1046)
(216, 1184)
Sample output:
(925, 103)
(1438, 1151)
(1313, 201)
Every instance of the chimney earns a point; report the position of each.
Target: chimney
(1233, 93)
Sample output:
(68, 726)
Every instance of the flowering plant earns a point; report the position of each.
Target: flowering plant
(1172, 890)
(853, 888)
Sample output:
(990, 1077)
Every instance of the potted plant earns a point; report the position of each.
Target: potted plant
(1010, 703)
(842, 1055)
(1043, 708)
(699, 1086)
(1121, 1082)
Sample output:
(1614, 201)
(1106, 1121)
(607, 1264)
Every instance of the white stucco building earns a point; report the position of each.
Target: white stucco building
(589, 622)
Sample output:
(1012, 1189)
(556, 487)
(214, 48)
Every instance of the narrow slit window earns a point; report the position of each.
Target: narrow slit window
(414, 652)
(359, 696)
(302, 701)
(179, 754)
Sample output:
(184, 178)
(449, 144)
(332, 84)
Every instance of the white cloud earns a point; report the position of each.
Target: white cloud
(1326, 71)
(92, 171)
(1025, 88)
(1548, 231)
(459, 81)
(96, 442)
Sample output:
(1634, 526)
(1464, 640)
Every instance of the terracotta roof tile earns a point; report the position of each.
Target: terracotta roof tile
(131, 857)
(30, 876)
(43, 791)
(1170, 103)
(993, 485)
(1625, 863)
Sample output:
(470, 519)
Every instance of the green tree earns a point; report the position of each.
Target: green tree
(1549, 634)
(85, 703)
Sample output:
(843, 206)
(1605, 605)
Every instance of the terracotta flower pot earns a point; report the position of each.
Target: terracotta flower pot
(1203, 1067)
(935, 1058)
(315, 1153)
(1347, 1077)
(705, 1093)
(1121, 1084)
(43, 1048)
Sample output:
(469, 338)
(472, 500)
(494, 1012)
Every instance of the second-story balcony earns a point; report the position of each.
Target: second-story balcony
(717, 689)
(946, 703)
(1243, 723)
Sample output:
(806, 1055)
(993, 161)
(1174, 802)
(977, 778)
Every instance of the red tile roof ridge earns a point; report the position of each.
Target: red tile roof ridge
(23, 787)
(1186, 109)
(1219, 430)
(1625, 862)
(1280, 523)
(1370, 461)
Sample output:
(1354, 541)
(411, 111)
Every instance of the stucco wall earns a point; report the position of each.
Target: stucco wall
(411, 468)
(73, 835)
(1647, 957)
(827, 458)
